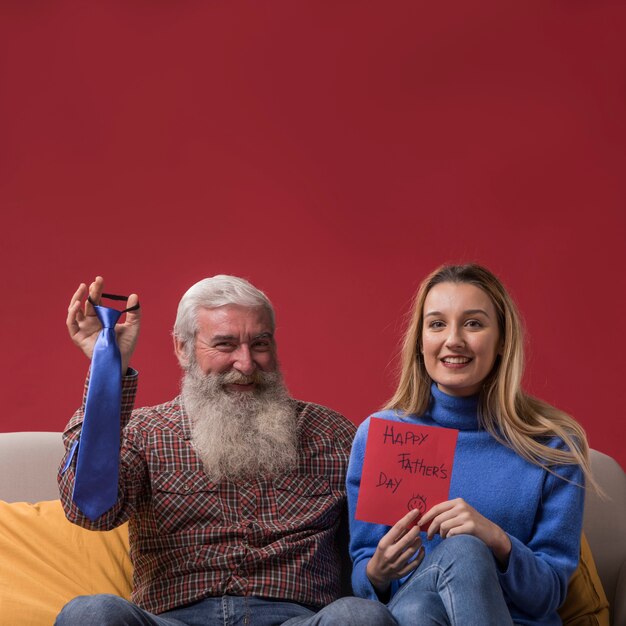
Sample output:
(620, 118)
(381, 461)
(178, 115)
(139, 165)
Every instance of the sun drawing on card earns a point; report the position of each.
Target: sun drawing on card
(417, 502)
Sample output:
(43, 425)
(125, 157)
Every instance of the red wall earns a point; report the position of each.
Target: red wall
(331, 152)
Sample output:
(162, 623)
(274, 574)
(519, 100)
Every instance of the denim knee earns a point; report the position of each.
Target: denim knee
(457, 583)
(465, 547)
(468, 556)
(101, 608)
(352, 611)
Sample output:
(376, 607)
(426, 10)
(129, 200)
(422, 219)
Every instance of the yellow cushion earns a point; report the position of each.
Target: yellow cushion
(45, 561)
(586, 603)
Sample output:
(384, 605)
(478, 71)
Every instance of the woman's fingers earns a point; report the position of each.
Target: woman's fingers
(402, 526)
(412, 565)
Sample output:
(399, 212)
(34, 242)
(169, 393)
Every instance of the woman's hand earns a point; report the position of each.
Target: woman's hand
(457, 517)
(393, 553)
(84, 326)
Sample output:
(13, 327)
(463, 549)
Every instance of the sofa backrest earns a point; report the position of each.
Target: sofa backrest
(605, 526)
(29, 463)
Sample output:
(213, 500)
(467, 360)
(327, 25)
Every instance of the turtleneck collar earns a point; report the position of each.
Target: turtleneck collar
(453, 411)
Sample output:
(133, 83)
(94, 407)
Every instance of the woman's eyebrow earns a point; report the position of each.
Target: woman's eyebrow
(467, 312)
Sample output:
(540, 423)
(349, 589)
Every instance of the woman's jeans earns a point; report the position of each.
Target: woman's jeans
(456, 585)
(110, 610)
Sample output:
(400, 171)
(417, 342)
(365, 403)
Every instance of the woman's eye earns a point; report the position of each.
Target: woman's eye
(473, 323)
(436, 324)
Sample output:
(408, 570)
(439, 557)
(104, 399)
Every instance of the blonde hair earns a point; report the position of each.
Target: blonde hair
(510, 415)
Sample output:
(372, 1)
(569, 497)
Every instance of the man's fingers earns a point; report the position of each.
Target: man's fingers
(132, 316)
(78, 296)
(75, 312)
(74, 315)
(95, 292)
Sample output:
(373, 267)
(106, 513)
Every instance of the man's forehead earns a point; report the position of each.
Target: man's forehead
(219, 337)
(233, 320)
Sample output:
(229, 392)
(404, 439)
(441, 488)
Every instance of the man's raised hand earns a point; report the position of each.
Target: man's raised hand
(84, 326)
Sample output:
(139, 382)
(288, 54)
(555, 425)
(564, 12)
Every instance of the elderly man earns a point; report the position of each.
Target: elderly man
(234, 491)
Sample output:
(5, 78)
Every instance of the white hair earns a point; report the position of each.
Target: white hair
(214, 292)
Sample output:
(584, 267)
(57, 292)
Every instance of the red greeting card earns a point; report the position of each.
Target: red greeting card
(406, 466)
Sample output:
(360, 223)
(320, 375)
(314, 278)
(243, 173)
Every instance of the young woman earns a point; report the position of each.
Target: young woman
(502, 549)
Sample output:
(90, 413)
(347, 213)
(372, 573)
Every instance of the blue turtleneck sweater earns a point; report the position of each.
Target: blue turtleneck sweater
(541, 512)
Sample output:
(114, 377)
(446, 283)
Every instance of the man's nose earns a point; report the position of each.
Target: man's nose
(243, 361)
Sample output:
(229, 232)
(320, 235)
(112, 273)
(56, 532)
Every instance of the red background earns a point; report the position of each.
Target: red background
(331, 152)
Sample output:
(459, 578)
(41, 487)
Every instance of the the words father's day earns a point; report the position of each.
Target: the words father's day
(406, 466)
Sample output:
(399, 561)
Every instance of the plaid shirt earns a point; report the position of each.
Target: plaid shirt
(192, 538)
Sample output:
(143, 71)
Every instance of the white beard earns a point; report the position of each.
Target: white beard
(241, 435)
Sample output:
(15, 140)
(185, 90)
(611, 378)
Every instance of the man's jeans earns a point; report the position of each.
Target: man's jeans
(110, 610)
(456, 585)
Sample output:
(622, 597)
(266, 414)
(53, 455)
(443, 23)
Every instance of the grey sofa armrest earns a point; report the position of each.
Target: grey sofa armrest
(605, 528)
(28, 466)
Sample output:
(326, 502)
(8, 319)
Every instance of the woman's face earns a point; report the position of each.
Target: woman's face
(460, 337)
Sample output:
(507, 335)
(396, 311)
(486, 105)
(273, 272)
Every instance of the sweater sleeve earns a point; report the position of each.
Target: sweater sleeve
(538, 572)
(364, 536)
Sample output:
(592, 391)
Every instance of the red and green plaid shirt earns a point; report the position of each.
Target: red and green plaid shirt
(192, 538)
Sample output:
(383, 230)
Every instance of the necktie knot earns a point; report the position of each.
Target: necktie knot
(108, 317)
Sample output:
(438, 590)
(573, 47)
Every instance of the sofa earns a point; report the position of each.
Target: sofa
(46, 560)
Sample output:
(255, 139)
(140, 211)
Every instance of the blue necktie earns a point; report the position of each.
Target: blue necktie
(95, 483)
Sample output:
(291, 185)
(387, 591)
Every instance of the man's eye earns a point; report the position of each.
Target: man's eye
(261, 346)
(225, 345)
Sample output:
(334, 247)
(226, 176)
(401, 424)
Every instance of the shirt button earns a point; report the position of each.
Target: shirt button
(186, 487)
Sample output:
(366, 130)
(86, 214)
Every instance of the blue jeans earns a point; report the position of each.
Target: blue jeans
(456, 585)
(110, 610)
